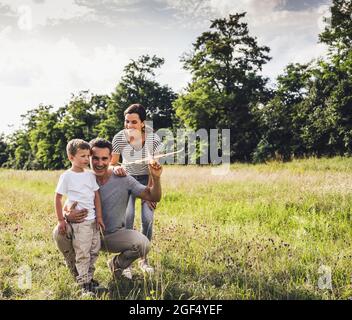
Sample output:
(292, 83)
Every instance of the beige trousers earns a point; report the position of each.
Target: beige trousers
(131, 245)
(86, 244)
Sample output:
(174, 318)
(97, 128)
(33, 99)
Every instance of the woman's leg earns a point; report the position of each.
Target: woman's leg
(130, 212)
(147, 220)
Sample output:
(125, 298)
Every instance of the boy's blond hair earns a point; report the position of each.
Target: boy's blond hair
(75, 144)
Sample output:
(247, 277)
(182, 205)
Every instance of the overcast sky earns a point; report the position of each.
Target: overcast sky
(50, 49)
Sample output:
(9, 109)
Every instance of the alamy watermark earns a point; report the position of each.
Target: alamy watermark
(24, 21)
(184, 146)
(24, 280)
(324, 281)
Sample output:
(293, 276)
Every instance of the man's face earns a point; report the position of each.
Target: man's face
(100, 160)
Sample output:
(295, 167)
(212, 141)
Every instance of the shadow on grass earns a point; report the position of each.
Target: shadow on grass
(144, 288)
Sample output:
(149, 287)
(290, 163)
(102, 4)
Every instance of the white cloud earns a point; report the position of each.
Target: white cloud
(291, 35)
(35, 71)
(324, 13)
(31, 14)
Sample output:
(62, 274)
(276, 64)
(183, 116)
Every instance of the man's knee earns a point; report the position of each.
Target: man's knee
(63, 241)
(143, 245)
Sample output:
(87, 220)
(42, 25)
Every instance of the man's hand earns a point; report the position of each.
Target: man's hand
(151, 204)
(62, 226)
(119, 171)
(155, 168)
(74, 215)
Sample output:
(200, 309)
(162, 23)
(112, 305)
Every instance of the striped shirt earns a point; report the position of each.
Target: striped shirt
(129, 153)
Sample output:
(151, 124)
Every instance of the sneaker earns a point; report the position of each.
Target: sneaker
(145, 267)
(116, 272)
(127, 273)
(97, 288)
(87, 290)
(94, 283)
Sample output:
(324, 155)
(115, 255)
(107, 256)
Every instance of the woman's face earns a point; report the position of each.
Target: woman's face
(132, 121)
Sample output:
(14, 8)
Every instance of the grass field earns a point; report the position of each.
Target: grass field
(270, 231)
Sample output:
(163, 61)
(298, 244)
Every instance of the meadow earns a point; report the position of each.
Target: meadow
(265, 231)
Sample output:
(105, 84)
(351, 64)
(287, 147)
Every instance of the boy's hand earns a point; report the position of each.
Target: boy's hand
(100, 223)
(119, 171)
(62, 227)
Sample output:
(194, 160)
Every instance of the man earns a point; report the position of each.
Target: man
(114, 192)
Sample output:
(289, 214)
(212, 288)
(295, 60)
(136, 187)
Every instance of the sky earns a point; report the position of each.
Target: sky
(52, 49)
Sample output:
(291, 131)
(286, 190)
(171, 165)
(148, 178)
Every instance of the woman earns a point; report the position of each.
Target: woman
(135, 142)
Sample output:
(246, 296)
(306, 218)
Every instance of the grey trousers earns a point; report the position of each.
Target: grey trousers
(130, 244)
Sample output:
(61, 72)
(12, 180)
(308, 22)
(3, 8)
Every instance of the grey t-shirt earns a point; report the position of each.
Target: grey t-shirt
(114, 199)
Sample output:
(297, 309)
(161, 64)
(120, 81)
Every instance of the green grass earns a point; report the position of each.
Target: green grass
(258, 232)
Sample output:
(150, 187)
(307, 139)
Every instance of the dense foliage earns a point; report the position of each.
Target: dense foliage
(309, 112)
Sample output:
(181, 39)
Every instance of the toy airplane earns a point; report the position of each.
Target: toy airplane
(149, 158)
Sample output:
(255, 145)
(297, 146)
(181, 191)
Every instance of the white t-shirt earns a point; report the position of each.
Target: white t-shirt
(80, 187)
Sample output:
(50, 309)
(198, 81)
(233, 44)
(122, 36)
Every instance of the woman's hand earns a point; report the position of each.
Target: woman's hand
(119, 171)
(151, 204)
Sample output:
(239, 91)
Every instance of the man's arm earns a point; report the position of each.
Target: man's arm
(153, 193)
(74, 215)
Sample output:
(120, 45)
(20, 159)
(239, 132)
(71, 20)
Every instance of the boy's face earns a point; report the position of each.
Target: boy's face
(80, 159)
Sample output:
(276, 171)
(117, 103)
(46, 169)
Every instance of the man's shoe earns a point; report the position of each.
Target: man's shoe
(97, 288)
(116, 271)
(145, 267)
(127, 273)
(94, 283)
(87, 290)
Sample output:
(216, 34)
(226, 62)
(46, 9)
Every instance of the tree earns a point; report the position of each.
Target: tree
(3, 150)
(226, 87)
(328, 129)
(138, 85)
(19, 154)
(282, 119)
(338, 30)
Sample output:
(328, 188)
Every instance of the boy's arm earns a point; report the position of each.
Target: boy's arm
(59, 214)
(58, 207)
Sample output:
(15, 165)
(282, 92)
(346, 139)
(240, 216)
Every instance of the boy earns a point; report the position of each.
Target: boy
(80, 186)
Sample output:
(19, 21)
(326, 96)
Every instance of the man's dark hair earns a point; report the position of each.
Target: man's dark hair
(136, 108)
(100, 143)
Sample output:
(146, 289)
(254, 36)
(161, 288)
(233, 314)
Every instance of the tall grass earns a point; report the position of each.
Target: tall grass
(259, 232)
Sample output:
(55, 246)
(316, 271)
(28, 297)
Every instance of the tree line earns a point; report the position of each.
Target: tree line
(307, 113)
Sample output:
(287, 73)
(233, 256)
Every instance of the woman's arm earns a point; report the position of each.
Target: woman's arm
(115, 159)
